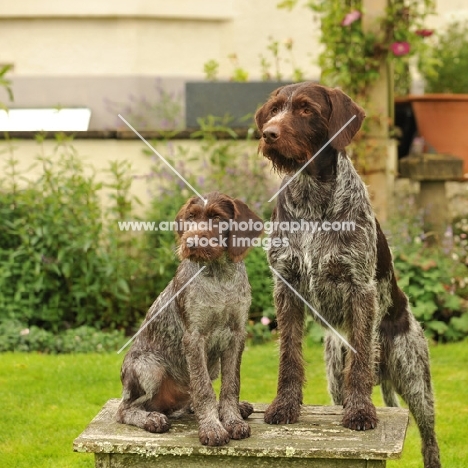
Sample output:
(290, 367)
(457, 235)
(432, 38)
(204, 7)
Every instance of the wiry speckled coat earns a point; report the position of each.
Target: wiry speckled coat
(347, 276)
(179, 352)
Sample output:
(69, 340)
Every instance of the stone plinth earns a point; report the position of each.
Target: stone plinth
(433, 171)
(431, 167)
(318, 440)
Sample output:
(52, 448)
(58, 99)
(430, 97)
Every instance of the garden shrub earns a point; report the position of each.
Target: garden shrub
(16, 336)
(65, 265)
(430, 281)
(444, 62)
(63, 262)
(434, 278)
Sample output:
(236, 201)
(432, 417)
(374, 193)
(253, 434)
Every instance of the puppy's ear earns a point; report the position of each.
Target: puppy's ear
(241, 236)
(261, 114)
(342, 109)
(180, 216)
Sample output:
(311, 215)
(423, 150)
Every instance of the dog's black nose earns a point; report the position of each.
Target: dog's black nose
(271, 133)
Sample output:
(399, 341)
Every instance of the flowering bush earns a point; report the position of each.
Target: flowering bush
(353, 54)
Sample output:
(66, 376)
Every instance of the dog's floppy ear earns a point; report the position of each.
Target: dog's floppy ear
(246, 227)
(342, 109)
(260, 115)
(180, 216)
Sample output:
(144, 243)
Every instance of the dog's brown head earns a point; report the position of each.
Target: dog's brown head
(299, 119)
(221, 225)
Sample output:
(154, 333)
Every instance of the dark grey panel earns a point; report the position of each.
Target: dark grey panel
(221, 98)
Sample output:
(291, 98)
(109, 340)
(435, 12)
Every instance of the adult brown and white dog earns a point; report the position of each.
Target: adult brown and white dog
(200, 328)
(346, 276)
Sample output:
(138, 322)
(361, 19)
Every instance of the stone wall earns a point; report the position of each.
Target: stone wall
(406, 191)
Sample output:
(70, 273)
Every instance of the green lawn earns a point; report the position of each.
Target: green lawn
(46, 401)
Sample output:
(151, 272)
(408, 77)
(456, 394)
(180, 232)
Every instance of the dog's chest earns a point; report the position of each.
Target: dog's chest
(335, 254)
(218, 308)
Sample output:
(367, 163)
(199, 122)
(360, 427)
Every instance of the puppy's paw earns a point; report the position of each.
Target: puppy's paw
(281, 412)
(237, 428)
(245, 409)
(156, 422)
(213, 434)
(360, 417)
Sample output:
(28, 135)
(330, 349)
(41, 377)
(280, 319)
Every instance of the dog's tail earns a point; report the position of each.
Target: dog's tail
(388, 393)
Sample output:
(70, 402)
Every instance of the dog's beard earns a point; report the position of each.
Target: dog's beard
(200, 253)
(285, 164)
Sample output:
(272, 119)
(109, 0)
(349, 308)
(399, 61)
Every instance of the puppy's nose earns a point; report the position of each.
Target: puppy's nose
(271, 133)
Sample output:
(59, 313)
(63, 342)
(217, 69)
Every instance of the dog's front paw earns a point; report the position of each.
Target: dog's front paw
(280, 412)
(237, 428)
(156, 422)
(245, 409)
(360, 418)
(213, 434)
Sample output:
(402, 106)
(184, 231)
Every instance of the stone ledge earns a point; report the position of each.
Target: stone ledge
(186, 134)
(431, 167)
(202, 10)
(317, 437)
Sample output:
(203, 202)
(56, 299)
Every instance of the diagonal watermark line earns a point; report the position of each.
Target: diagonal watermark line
(161, 309)
(311, 159)
(313, 310)
(164, 160)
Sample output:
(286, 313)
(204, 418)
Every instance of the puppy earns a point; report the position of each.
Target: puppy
(196, 326)
(346, 275)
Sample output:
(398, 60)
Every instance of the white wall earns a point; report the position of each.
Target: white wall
(97, 154)
(153, 37)
(159, 37)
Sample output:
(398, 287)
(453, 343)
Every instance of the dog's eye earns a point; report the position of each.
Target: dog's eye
(190, 216)
(305, 109)
(216, 218)
(274, 110)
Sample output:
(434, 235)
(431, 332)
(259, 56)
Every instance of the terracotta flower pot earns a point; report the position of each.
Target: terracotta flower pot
(442, 121)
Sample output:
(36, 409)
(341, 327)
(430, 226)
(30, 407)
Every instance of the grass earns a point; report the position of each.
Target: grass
(46, 401)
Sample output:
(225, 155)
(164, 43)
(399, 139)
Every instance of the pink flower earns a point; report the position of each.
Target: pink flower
(351, 17)
(400, 48)
(424, 32)
(265, 321)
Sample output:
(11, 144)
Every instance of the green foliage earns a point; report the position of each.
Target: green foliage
(163, 112)
(211, 70)
(343, 31)
(169, 195)
(61, 264)
(314, 328)
(238, 74)
(445, 65)
(228, 161)
(429, 279)
(460, 238)
(261, 283)
(355, 50)
(275, 51)
(5, 83)
(263, 330)
(15, 336)
(65, 263)
(434, 278)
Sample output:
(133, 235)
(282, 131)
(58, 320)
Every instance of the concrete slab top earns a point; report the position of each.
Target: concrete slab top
(318, 434)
